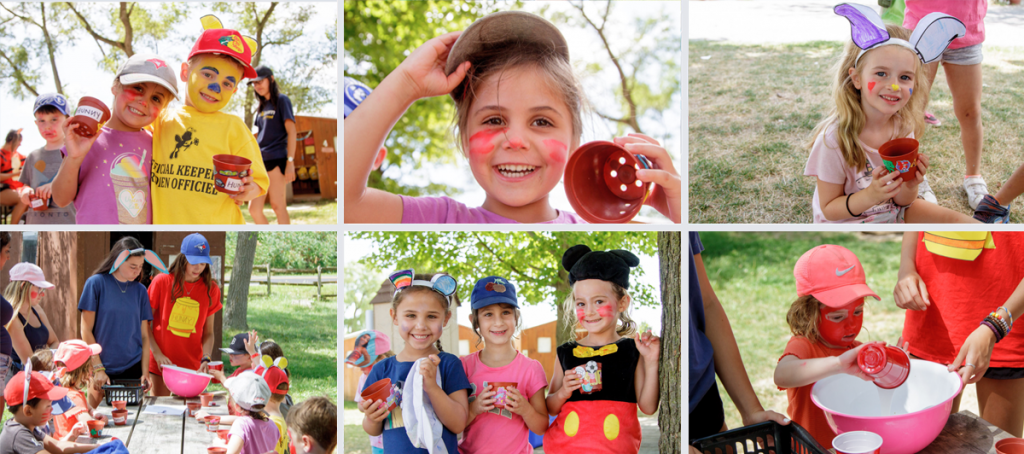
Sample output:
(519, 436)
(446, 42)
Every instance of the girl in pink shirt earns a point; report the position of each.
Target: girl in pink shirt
(515, 407)
(874, 89)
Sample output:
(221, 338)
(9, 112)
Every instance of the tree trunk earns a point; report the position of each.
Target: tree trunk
(562, 332)
(669, 371)
(238, 289)
(56, 254)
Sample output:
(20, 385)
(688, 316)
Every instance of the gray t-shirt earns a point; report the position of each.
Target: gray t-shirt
(41, 168)
(17, 439)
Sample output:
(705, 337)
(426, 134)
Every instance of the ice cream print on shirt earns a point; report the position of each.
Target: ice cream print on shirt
(394, 419)
(131, 187)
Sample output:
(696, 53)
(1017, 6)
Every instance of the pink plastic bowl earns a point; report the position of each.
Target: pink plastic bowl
(185, 382)
(919, 411)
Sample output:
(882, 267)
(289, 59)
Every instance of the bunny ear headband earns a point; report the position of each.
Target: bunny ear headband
(441, 283)
(931, 37)
(269, 362)
(150, 256)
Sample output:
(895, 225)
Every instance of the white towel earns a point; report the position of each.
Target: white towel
(421, 424)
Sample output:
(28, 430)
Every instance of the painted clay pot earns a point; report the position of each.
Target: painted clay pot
(229, 171)
(223, 434)
(601, 183)
(120, 417)
(900, 155)
(193, 407)
(90, 113)
(37, 203)
(205, 399)
(887, 365)
(857, 442)
(216, 450)
(212, 423)
(95, 428)
(379, 390)
(500, 388)
(119, 404)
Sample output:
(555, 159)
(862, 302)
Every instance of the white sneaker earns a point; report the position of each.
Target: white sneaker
(976, 190)
(925, 192)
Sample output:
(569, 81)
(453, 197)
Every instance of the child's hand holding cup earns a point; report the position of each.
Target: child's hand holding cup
(571, 381)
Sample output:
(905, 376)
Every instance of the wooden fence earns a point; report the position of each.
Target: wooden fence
(270, 271)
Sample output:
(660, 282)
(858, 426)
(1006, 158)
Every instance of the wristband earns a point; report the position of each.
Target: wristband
(848, 206)
(205, 359)
(99, 369)
(254, 356)
(290, 159)
(1008, 314)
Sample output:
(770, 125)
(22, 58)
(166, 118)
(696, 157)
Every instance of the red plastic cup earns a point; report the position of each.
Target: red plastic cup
(601, 183)
(120, 417)
(95, 428)
(858, 442)
(193, 407)
(119, 404)
(88, 116)
(887, 365)
(212, 423)
(500, 388)
(229, 171)
(205, 399)
(216, 365)
(379, 390)
(900, 155)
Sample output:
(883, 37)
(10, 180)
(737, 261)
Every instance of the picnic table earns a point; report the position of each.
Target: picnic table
(967, 433)
(162, 425)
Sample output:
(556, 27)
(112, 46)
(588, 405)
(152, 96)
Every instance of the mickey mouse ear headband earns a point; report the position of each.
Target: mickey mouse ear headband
(931, 37)
(441, 283)
(149, 255)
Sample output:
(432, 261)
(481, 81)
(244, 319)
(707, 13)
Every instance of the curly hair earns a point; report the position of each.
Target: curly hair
(803, 318)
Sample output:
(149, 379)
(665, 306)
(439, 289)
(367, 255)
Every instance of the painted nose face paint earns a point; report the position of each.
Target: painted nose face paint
(843, 332)
(895, 87)
(214, 88)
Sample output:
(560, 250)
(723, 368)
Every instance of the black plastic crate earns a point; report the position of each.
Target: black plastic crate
(762, 438)
(130, 391)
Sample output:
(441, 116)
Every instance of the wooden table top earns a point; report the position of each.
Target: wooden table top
(171, 432)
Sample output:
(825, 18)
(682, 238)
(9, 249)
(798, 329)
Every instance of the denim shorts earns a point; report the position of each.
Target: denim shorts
(964, 56)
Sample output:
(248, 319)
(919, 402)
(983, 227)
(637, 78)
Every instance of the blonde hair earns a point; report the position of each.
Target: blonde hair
(415, 289)
(803, 318)
(848, 117)
(75, 379)
(627, 328)
(497, 61)
(18, 293)
(476, 323)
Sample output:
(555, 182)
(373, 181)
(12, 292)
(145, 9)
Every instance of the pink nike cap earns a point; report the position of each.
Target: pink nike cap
(832, 274)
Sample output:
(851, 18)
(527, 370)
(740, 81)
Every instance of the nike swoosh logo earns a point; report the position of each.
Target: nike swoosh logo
(840, 273)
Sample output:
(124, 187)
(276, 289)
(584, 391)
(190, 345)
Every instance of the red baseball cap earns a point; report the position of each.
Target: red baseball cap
(274, 377)
(832, 274)
(38, 386)
(228, 42)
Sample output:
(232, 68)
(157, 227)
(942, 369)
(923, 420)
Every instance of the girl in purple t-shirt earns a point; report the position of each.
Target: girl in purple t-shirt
(874, 94)
(507, 399)
(518, 108)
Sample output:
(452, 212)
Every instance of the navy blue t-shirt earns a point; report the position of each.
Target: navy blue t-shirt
(702, 363)
(6, 312)
(273, 138)
(119, 316)
(453, 378)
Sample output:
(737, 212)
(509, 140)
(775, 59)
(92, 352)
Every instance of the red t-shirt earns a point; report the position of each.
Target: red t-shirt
(962, 294)
(801, 409)
(178, 321)
(6, 166)
(63, 423)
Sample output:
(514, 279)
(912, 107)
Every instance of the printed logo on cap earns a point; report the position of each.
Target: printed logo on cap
(158, 63)
(356, 93)
(201, 247)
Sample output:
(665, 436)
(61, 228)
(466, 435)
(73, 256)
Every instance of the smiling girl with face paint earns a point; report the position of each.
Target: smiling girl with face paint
(518, 119)
(825, 321)
(879, 90)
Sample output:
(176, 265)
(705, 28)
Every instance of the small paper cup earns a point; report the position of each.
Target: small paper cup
(858, 442)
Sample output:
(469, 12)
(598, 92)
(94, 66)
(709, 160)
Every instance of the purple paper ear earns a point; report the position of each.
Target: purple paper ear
(154, 260)
(866, 27)
(119, 260)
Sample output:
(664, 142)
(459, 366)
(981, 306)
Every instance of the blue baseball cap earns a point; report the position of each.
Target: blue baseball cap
(355, 93)
(51, 99)
(493, 290)
(196, 249)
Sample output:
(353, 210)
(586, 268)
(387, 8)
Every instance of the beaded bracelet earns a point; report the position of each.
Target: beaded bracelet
(1008, 314)
(999, 321)
(996, 329)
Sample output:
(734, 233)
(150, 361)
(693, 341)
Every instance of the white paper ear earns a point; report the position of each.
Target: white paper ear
(866, 27)
(933, 35)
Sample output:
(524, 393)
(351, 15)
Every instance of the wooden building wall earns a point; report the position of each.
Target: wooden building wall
(529, 346)
(325, 131)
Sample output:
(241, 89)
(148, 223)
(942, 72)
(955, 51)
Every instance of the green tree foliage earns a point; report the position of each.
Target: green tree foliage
(126, 28)
(362, 281)
(31, 35)
(533, 260)
(378, 37)
(294, 250)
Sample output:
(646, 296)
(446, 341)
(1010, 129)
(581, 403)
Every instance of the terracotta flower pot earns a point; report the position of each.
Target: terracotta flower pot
(90, 113)
(37, 203)
(601, 183)
(379, 390)
(900, 155)
(119, 404)
(120, 417)
(501, 389)
(205, 399)
(212, 423)
(230, 170)
(193, 407)
(216, 450)
(95, 428)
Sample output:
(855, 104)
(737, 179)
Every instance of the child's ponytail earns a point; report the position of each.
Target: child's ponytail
(803, 318)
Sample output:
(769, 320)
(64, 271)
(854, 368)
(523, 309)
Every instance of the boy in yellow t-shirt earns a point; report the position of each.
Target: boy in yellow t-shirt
(277, 380)
(185, 140)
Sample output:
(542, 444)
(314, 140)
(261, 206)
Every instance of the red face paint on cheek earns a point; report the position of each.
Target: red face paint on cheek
(580, 313)
(605, 311)
(34, 294)
(871, 86)
(556, 150)
(482, 142)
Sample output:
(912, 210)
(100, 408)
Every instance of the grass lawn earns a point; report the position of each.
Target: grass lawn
(752, 274)
(304, 212)
(752, 108)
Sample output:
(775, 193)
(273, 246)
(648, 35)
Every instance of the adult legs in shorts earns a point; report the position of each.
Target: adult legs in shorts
(708, 417)
(276, 195)
(1001, 402)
